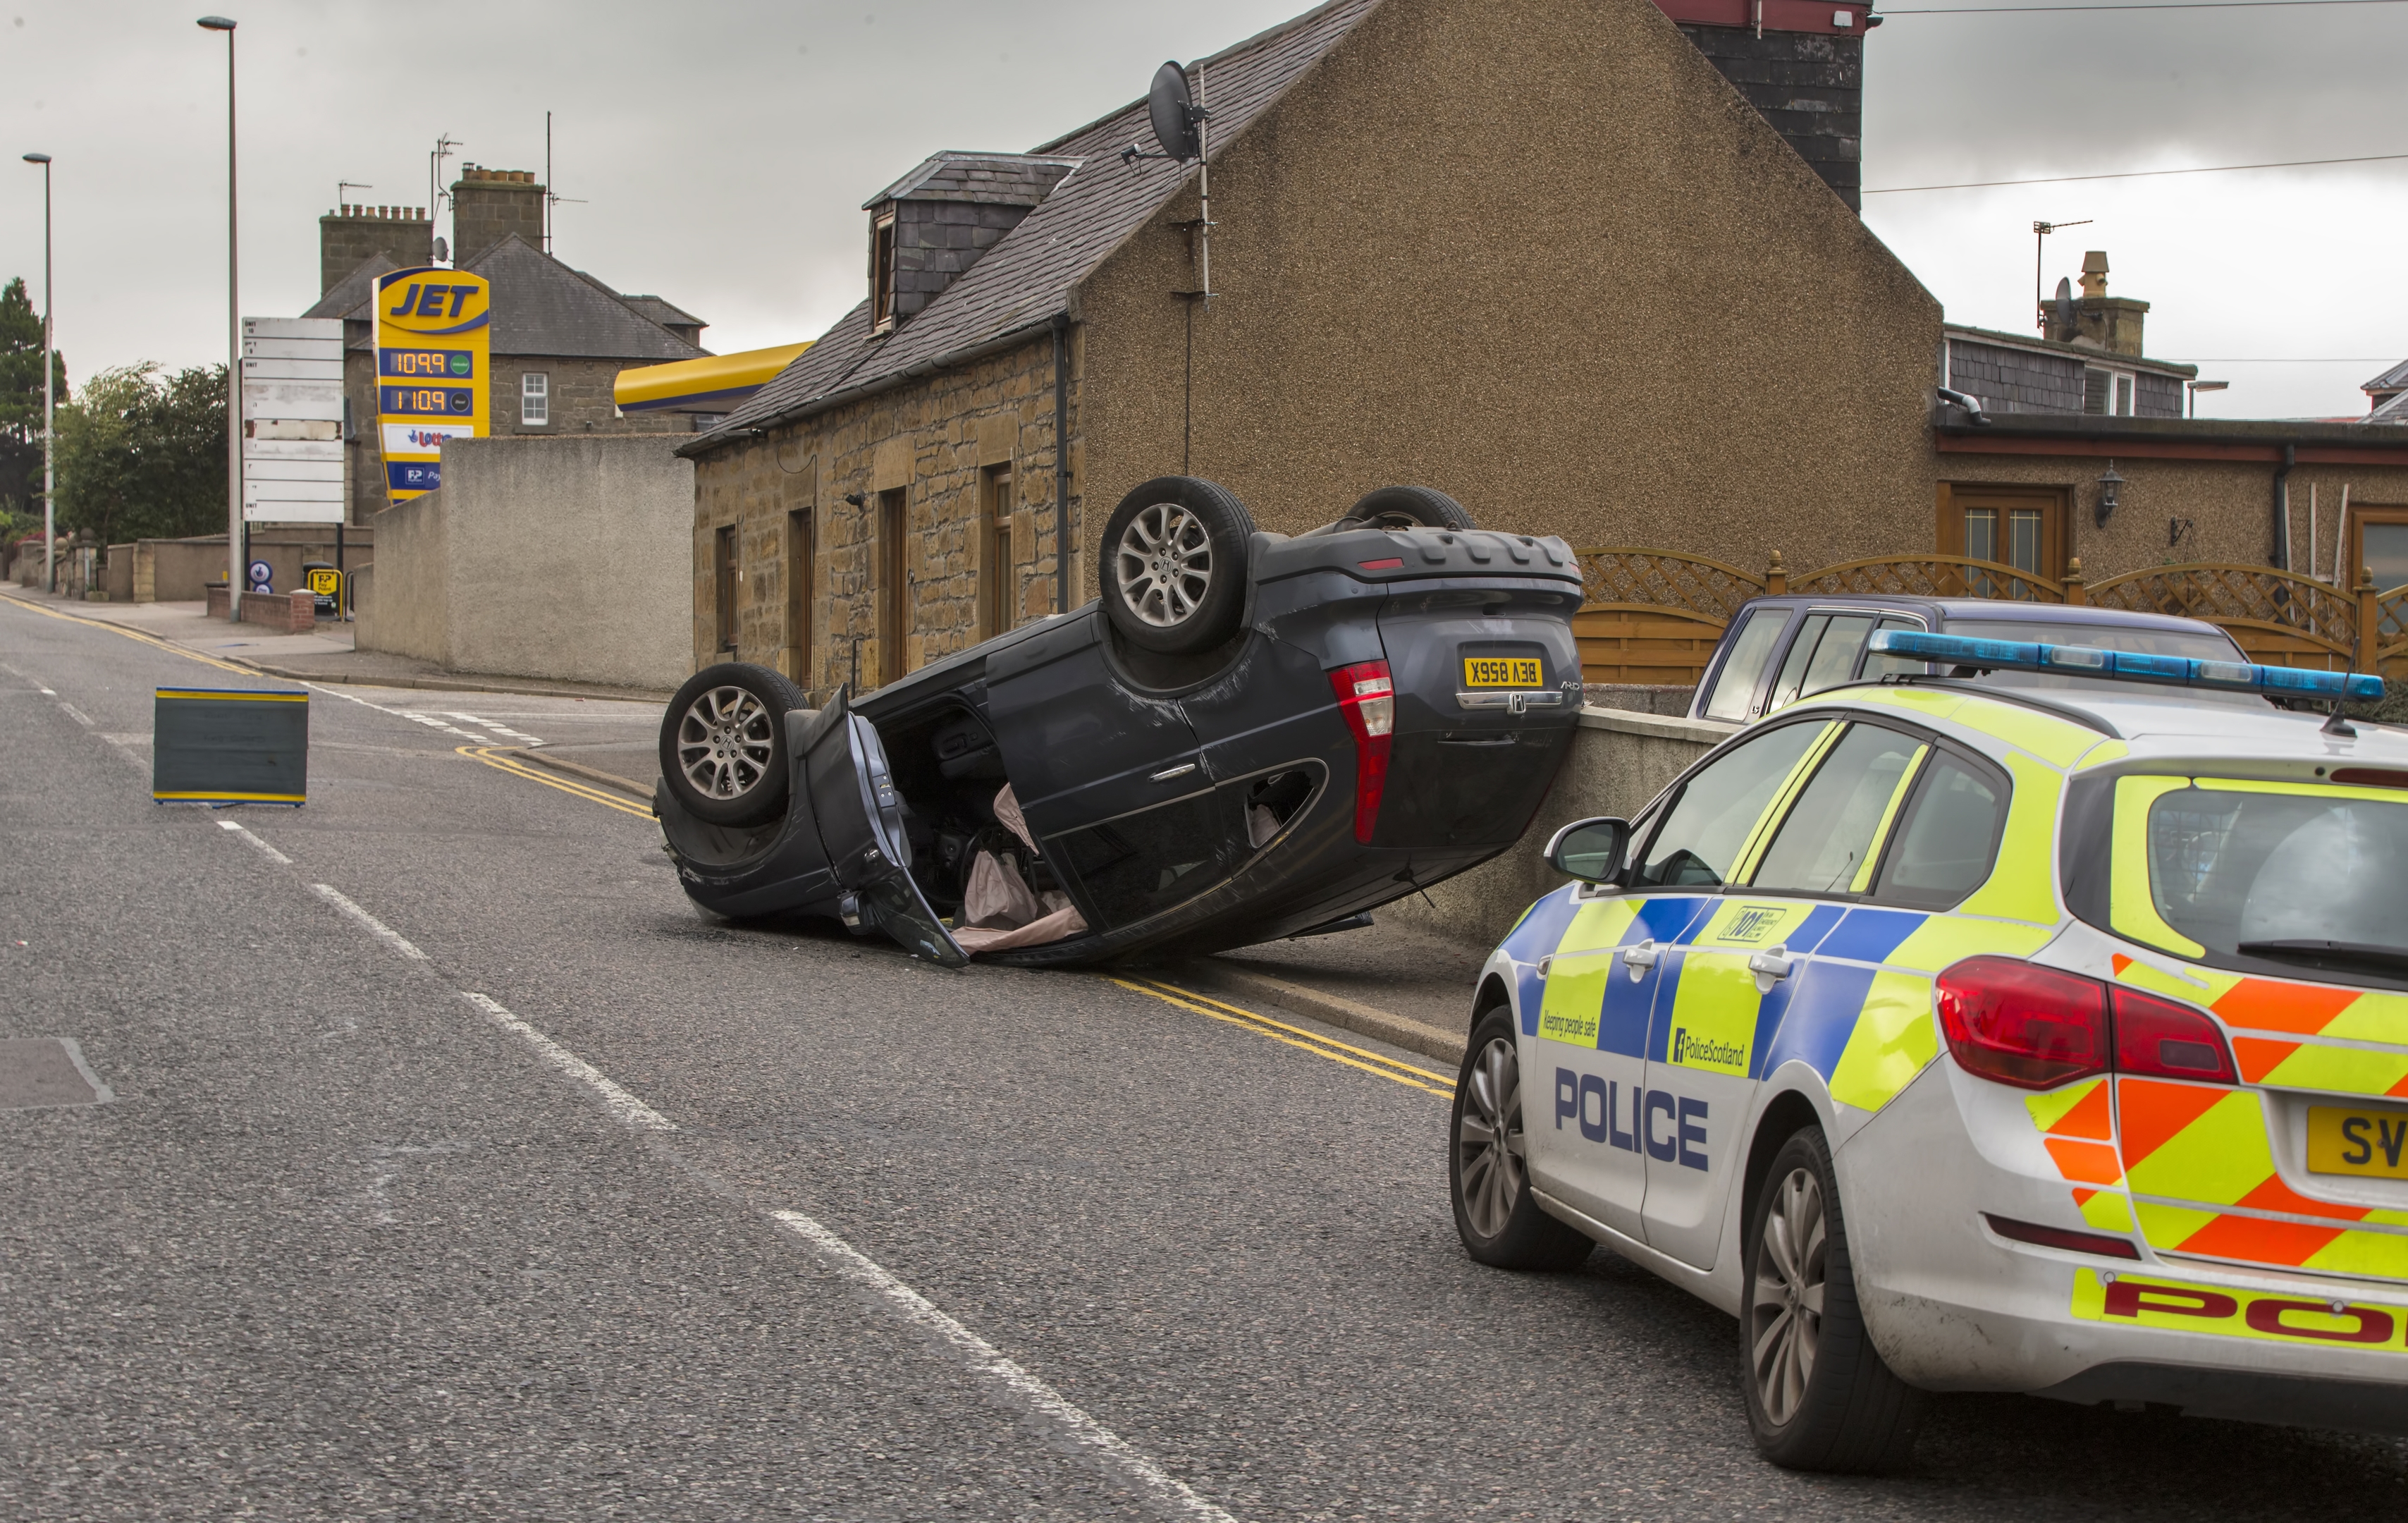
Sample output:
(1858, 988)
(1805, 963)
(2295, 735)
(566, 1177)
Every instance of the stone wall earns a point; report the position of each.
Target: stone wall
(346, 240)
(935, 441)
(581, 390)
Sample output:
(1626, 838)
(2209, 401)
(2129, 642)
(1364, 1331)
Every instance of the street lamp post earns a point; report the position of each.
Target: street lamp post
(236, 570)
(50, 401)
(2199, 386)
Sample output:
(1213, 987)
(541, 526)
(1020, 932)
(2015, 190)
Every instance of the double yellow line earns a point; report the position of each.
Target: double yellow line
(501, 759)
(1294, 1036)
(169, 646)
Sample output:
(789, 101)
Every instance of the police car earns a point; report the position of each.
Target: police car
(1957, 1036)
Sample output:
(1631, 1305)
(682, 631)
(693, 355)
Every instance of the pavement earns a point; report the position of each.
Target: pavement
(455, 1166)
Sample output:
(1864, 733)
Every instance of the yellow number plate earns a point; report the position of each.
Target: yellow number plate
(2343, 1140)
(1501, 671)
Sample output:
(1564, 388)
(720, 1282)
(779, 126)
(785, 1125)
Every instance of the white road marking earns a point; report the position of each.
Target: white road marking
(626, 1107)
(986, 1359)
(445, 725)
(483, 723)
(273, 854)
(374, 927)
(75, 714)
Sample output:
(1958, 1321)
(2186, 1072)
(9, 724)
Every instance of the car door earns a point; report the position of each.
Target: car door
(861, 825)
(1734, 690)
(1606, 976)
(1744, 961)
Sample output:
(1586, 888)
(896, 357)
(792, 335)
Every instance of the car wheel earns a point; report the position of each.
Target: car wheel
(1818, 1395)
(1410, 507)
(1499, 1223)
(1173, 576)
(723, 743)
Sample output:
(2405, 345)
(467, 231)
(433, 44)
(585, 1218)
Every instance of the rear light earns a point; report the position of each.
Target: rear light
(2173, 1041)
(2036, 1028)
(2022, 1025)
(2060, 1237)
(1366, 695)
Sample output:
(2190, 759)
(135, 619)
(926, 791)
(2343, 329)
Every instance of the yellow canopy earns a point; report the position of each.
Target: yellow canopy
(714, 384)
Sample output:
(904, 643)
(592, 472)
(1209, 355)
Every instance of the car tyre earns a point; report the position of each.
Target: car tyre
(1819, 1397)
(1487, 1174)
(1174, 571)
(1410, 507)
(723, 743)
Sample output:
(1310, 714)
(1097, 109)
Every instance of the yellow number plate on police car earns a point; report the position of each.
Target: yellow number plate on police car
(1501, 671)
(2344, 1140)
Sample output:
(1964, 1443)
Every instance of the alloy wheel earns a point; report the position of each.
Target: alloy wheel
(1786, 1297)
(1164, 564)
(1489, 1150)
(726, 742)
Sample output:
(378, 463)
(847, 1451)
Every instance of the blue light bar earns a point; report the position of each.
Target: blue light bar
(2126, 666)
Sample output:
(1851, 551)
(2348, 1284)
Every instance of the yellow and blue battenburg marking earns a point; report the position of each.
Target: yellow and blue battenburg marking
(229, 746)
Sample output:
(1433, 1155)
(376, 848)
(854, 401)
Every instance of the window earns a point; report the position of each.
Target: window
(2019, 527)
(996, 612)
(2378, 542)
(800, 579)
(1879, 667)
(1710, 824)
(723, 578)
(534, 400)
(891, 529)
(1734, 691)
(1823, 655)
(2105, 391)
(882, 271)
(2123, 397)
(1827, 844)
(1949, 837)
(2310, 877)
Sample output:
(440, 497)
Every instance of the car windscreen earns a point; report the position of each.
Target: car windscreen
(2313, 878)
(2199, 645)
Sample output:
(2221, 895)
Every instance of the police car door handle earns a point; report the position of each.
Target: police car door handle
(1769, 966)
(1640, 958)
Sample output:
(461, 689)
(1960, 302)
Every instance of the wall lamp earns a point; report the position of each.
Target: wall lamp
(2108, 486)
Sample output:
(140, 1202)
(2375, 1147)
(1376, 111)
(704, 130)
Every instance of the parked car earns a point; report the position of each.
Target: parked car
(1779, 650)
(1957, 1036)
(1246, 736)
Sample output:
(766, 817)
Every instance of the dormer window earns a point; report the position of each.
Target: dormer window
(881, 270)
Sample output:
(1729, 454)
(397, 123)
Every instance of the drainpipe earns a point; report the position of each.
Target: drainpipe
(1061, 463)
(2282, 507)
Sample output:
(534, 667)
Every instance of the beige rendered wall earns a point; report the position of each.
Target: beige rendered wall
(406, 603)
(1544, 258)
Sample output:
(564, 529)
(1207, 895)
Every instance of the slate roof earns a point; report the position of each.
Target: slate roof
(2393, 412)
(540, 307)
(1025, 280)
(1010, 180)
(2393, 379)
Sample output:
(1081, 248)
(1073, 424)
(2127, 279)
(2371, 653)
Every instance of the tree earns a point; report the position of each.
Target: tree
(21, 409)
(142, 455)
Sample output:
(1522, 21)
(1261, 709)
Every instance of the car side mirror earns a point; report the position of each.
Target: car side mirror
(1590, 850)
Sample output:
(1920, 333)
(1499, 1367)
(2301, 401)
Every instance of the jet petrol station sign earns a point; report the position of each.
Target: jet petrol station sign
(433, 352)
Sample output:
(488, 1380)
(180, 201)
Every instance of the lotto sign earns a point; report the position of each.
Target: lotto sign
(434, 348)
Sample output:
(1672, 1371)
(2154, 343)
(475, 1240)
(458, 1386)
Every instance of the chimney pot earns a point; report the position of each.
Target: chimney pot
(2094, 273)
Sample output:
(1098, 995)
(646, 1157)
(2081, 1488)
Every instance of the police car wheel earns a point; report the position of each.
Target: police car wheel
(723, 743)
(1499, 1223)
(1818, 1395)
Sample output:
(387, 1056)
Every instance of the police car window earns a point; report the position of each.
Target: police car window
(1700, 838)
(1948, 838)
(1834, 828)
(1879, 667)
(2315, 879)
(1793, 666)
(1835, 655)
(1735, 685)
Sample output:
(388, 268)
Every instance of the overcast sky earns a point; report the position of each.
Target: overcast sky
(720, 151)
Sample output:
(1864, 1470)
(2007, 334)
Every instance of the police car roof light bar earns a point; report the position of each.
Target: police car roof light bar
(2126, 666)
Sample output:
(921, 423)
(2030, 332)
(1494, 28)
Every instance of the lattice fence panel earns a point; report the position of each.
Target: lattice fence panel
(1666, 579)
(1928, 576)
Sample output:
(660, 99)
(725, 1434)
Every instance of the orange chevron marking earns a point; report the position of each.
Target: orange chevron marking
(2093, 1163)
(2257, 1240)
(2094, 1117)
(2121, 962)
(2399, 1088)
(2265, 1004)
(2274, 1195)
(2082, 1197)
(2260, 1056)
(2154, 1113)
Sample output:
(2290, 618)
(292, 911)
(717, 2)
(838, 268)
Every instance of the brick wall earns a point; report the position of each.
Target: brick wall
(935, 441)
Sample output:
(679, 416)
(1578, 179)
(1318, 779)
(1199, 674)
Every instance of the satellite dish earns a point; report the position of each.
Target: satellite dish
(442, 250)
(2064, 304)
(1173, 113)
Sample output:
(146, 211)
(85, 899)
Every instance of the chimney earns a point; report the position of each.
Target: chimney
(489, 205)
(1801, 65)
(2109, 323)
(929, 227)
(349, 235)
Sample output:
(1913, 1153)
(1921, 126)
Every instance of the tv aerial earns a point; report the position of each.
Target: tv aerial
(1178, 119)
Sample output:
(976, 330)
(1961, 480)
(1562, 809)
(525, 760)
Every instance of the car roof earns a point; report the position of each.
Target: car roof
(1988, 609)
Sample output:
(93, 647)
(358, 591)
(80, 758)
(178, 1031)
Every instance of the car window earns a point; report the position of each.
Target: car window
(1706, 827)
(1949, 837)
(1793, 666)
(1827, 843)
(2315, 876)
(1835, 655)
(1735, 685)
(1879, 667)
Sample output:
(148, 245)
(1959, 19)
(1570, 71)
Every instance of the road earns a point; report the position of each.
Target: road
(457, 1168)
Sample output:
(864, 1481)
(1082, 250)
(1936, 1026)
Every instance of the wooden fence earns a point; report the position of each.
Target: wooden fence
(1655, 616)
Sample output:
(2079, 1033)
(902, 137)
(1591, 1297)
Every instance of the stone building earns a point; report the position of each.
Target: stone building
(560, 337)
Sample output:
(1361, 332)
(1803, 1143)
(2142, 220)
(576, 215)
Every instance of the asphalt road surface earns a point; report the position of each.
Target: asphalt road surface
(457, 1168)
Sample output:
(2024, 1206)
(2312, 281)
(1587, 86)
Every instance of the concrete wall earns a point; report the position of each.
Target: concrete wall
(558, 558)
(1619, 761)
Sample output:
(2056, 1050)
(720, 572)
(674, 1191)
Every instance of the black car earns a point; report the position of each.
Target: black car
(1247, 735)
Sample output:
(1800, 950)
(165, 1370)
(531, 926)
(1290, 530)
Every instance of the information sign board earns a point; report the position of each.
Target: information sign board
(292, 420)
(433, 353)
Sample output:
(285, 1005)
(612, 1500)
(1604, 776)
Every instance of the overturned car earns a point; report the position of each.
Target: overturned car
(1247, 735)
